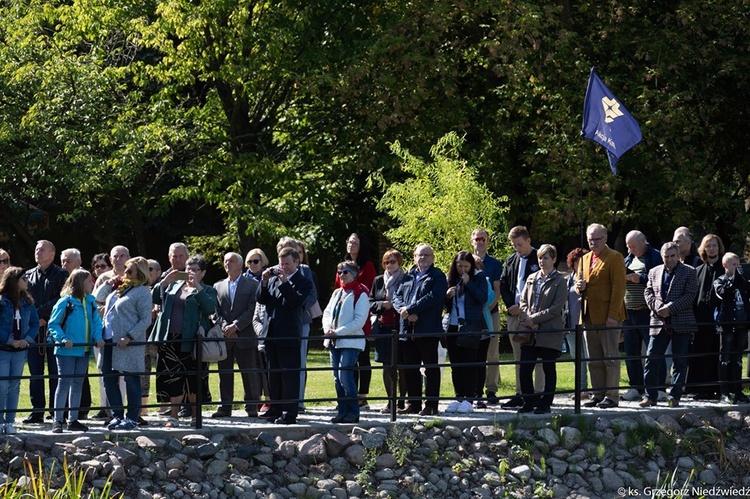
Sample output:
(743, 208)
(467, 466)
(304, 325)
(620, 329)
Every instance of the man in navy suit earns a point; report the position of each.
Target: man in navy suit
(419, 302)
(670, 294)
(283, 291)
(236, 306)
(518, 267)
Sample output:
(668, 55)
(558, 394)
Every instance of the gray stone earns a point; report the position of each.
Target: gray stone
(174, 464)
(327, 484)
(287, 449)
(355, 454)
(34, 444)
(195, 439)
(336, 442)
(193, 473)
(82, 442)
(557, 466)
(374, 440)
(386, 460)
(119, 476)
(206, 450)
(312, 450)
(570, 437)
(353, 488)
(667, 422)
(266, 439)
(685, 463)
(174, 445)
(384, 474)
(611, 479)
(549, 436)
(154, 444)
(266, 459)
(523, 471)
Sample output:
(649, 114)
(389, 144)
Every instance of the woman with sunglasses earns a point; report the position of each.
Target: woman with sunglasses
(19, 325)
(343, 319)
(74, 323)
(385, 324)
(127, 317)
(256, 262)
(4, 261)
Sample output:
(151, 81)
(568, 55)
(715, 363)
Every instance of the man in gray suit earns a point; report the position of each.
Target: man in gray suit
(236, 306)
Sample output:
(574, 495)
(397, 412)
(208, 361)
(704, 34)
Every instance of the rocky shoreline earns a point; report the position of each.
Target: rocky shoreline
(576, 456)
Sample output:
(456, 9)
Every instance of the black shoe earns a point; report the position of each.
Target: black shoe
(525, 408)
(492, 398)
(57, 427)
(514, 403)
(726, 399)
(141, 421)
(409, 410)
(607, 403)
(100, 415)
(77, 426)
(270, 415)
(592, 403)
(221, 413)
(285, 420)
(185, 412)
(741, 398)
(428, 411)
(34, 418)
(165, 412)
(83, 415)
(350, 419)
(673, 402)
(338, 419)
(543, 409)
(252, 414)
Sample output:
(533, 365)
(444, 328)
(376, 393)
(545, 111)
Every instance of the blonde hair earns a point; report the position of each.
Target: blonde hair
(74, 285)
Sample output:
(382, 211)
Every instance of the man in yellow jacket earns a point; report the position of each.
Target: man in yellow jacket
(601, 283)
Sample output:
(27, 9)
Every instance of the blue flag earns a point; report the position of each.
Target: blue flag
(607, 122)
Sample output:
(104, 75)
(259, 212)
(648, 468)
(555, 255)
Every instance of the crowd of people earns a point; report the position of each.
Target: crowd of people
(680, 313)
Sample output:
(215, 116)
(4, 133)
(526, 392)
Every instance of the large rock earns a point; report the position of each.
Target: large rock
(570, 437)
(336, 442)
(312, 450)
(355, 454)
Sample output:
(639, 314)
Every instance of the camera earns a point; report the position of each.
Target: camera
(276, 271)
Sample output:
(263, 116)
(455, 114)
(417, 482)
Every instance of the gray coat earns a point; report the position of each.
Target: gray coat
(131, 317)
(548, 312)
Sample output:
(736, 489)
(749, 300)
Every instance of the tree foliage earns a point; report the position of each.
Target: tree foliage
(441, 202)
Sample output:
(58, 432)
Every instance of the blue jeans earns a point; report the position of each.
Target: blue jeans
(635, 332)
(654, 371)
(11, 370)
(342, 362)
(72, 371)
(111, 388)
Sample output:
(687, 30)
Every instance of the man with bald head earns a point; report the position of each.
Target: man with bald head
(109, 280)
(641, 258)
(236, 299)
(419, 302)
(688, 252)
(45, 283)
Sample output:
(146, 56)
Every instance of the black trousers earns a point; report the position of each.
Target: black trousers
(248, 362)
(529, 356)
(416, 351)
(283, 379)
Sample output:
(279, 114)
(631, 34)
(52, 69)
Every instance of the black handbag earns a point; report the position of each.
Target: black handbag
(468, 337)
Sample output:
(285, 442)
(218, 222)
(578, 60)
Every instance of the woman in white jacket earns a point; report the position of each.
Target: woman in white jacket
(343, 320)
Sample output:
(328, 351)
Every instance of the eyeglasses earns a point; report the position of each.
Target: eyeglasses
(344, 271)
(101, 266)
(480, 239)
(388, 262)
(595, 239)
(194, 269)
(4, 261)
(254, 262)
(423, 255)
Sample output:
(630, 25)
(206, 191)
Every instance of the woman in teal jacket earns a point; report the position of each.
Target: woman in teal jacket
(73, 325)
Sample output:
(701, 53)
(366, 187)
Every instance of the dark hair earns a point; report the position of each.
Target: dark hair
(519, 231)
(101, 256)
(289, 251)
(364, 250)
(197, 260)
(453, 275)
(9, 286)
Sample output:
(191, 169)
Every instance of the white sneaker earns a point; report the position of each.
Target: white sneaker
(465, 407)
(631, 395)
(453, 406)
(662, 396)
(9, 429)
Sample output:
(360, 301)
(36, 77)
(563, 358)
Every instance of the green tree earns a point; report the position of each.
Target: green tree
(441, 202)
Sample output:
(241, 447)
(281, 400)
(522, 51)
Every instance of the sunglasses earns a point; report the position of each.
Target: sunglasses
(480, 239)
(97, 266)
(255, 262)
(342, 272)
(4, 261)
(150, 269)
(388, 262)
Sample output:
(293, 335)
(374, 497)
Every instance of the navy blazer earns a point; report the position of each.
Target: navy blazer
(286, 312)
(423, 296)
(241, 311)
(509, 277)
